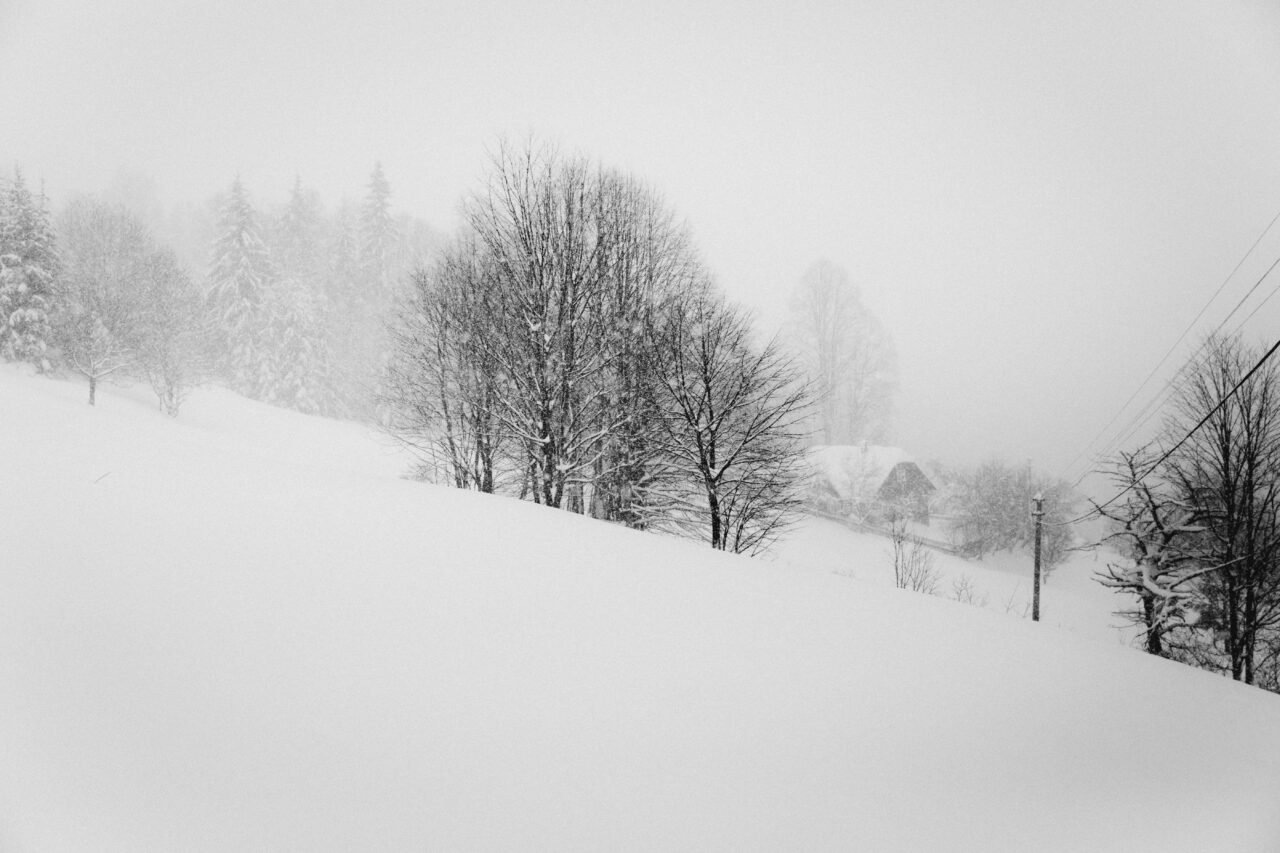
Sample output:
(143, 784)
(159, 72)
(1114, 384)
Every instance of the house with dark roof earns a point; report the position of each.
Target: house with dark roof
(871, 483)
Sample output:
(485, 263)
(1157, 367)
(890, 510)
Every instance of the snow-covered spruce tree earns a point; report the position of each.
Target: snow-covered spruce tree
(176, 339)
(28, 268)
(732, 419)
(296, 371)
(342, 258)
(240, 276)
(1160, 542)
(297, 238)
(362, 284)
(99, 297)
(343, 316)
(377, 232)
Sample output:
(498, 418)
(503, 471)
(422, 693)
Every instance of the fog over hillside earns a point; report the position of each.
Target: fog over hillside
(697, 426)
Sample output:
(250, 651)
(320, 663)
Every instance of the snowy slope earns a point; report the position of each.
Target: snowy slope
(1070, 598)
(239, 631)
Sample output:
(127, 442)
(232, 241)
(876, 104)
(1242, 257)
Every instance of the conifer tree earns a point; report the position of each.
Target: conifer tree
(28, 267)
(365, 297)
(296, 241)
(297, 372)
(377, 232)
(239, 279)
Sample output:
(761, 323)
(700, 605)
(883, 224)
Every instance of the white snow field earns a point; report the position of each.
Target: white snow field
(240, 630)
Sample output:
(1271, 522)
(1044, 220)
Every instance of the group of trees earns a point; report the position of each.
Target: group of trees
(568, 346)
(300, 300)
(292, 311)
(122, 303)
(989, 509)
(1198, 519)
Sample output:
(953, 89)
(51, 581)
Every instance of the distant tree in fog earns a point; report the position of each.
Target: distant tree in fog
(847, 355)
(175, 336)
(991, 511)
(377, 231)
(298, 369)
(297, 237)
(100, 302)
(239, 277)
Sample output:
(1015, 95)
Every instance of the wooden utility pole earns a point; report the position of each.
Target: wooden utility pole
(1037, 513)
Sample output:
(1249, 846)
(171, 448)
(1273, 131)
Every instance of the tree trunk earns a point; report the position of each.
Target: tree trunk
(1155, 645)
(1234, 646)
(93, 390)
(1249, 640)
(717, 534)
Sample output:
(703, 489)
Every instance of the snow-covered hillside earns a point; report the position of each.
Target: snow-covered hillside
(1071, 599)
(241, 631)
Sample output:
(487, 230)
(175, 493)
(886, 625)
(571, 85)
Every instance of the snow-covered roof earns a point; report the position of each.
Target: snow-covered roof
(856, 471)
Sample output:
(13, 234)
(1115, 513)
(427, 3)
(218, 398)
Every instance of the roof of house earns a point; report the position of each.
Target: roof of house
(856, 472)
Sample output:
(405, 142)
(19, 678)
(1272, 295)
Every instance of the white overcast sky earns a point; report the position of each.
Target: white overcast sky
(1034, 197)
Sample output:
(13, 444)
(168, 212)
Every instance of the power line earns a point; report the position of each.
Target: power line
(1180, 339)
(1256, 309)
(1099, 507)
(1161, 397)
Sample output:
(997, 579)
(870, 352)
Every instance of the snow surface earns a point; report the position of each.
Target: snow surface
(1070, 598)
(240, 631)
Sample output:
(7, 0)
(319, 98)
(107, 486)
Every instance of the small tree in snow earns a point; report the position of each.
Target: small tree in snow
(913, 567)
(175, 340)
(99, 297)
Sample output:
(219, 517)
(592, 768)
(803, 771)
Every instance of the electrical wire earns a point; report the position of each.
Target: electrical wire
(1097, 510)
(1070, 465)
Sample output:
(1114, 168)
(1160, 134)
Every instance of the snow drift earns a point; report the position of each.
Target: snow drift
(240, 631)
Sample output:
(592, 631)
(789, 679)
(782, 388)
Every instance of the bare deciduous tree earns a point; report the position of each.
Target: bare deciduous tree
(175, 335)
(444, 386)
(847, 355)
(104, 253)
(546, 329)
(558, 341)
(732, 417)
(913, 567)
(1229, 469)
(1158, 536)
